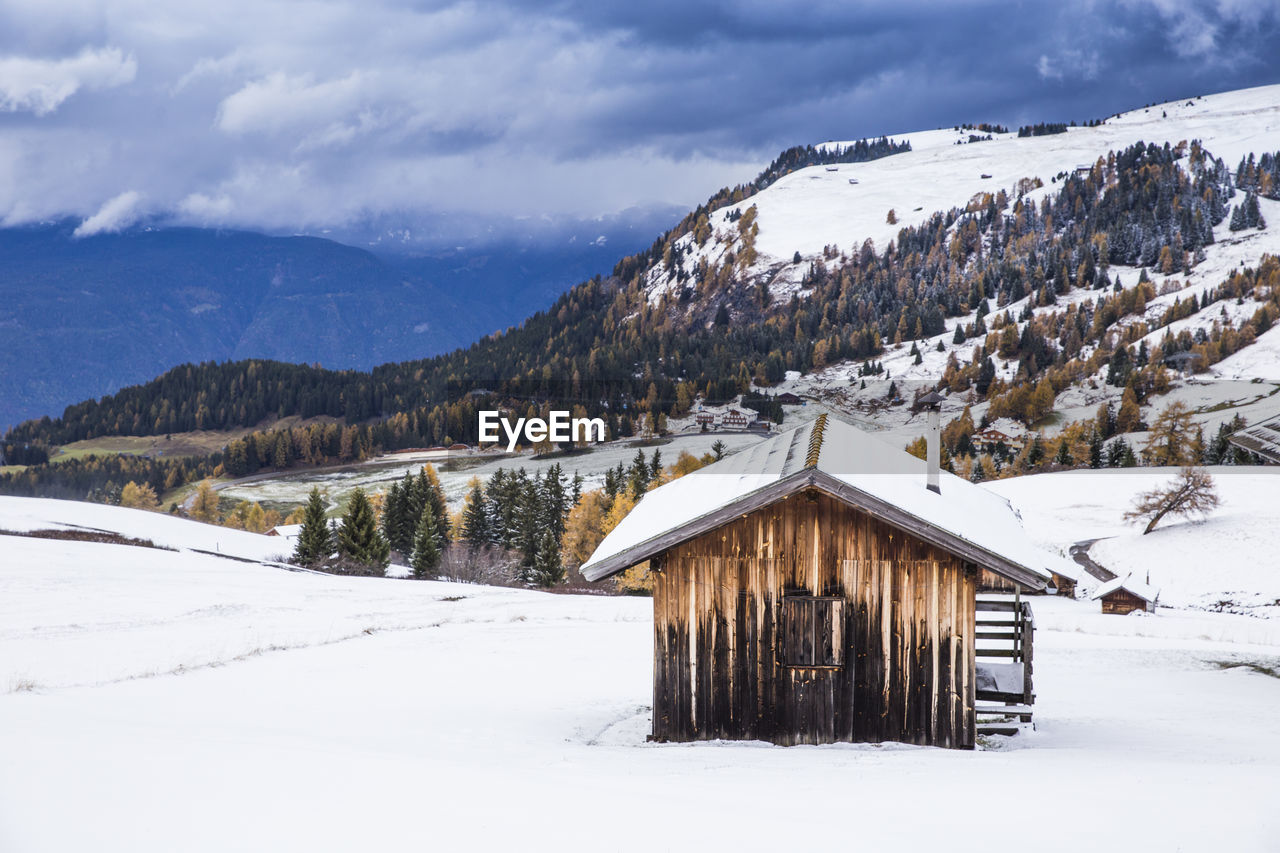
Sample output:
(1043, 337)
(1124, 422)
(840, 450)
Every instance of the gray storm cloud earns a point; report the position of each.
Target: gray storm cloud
(299, 116)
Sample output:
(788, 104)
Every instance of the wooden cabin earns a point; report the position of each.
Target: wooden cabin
(1121, 596)
(734, 419)
(1063, 581)
(812, 589)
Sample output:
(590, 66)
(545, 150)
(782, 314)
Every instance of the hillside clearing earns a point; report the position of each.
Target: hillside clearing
(179, 700)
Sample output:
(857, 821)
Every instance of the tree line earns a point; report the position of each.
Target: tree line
(633, 360)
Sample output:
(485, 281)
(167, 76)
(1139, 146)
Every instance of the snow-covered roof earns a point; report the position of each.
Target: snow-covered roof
(1261, 438)
(288, 531)
(833, 457)
(1128, 583)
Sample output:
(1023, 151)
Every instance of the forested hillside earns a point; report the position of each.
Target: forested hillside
(611, 348)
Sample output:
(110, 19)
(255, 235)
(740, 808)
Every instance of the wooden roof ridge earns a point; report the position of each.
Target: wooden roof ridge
(815, 441)
(818, 469)
(1130, 584)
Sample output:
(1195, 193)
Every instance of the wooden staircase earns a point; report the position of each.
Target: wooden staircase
(1004, 646)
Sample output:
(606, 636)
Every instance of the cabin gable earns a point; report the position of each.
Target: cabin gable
(808, 620)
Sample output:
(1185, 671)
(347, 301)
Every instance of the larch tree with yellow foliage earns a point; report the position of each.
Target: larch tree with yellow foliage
(205, 505)
(137, 496)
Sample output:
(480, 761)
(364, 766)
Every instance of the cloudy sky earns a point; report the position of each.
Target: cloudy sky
(302, 116)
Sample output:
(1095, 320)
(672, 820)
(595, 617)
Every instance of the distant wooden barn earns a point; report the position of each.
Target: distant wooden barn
(1063, 579)
(812, 589)
(1124, 595)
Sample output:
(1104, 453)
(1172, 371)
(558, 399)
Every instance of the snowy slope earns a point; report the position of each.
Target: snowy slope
(348, 713)
(1227, 561)
(813, 207)
(27, 514)
(817, 207)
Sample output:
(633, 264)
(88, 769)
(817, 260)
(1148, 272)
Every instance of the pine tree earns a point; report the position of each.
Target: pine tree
(547, 568)
(314, 543)
(1064, 456)
(396, 526)
(1036, 454)
(1095, 449)
(358, 537)
(427, 489)
(1127, 457)
(426, 553)
(638, 476)
(475, 519)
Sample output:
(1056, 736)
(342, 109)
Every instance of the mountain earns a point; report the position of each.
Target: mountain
(1034, 277)
(87, 317)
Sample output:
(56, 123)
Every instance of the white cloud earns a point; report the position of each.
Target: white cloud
(40, 86)
(207, 209)
(116, 215)
(1047, 69)
(281, 102)
(1078, 64)
(294, 115)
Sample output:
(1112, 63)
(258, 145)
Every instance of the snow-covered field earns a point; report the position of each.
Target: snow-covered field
(1229, 560)
(162, 700)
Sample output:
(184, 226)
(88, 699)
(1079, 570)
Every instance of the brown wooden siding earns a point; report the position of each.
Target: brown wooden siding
(1122, 602)
(907, 632)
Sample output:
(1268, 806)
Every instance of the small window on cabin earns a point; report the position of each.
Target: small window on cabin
(813, 630)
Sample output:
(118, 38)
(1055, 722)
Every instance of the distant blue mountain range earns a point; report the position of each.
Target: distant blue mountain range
(80, 318)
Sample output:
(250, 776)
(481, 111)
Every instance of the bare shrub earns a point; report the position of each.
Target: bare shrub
(1191, 492)
(469, 564)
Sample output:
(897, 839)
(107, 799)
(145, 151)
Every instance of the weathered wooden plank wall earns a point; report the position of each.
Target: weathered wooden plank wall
(906, 627)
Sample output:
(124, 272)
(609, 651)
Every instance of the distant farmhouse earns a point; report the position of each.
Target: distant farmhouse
(1124, 595)
(814, 588)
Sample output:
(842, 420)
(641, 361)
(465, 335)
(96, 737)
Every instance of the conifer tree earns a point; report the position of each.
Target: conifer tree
(397, 525)
(426, 553)
(358, 537)
(1064, 456)
(1095, 449)
(314, 542)
(547, 568)
(429, 490)
(475, 518)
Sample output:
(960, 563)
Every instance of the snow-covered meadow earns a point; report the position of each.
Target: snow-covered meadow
(176, 700)
(1226, 561)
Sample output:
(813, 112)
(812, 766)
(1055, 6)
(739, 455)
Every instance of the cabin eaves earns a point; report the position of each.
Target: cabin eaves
(832, 457)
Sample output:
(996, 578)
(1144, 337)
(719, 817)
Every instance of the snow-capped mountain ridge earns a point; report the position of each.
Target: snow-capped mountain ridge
(824, 213)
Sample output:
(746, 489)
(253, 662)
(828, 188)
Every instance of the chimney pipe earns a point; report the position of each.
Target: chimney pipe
(932, 402)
